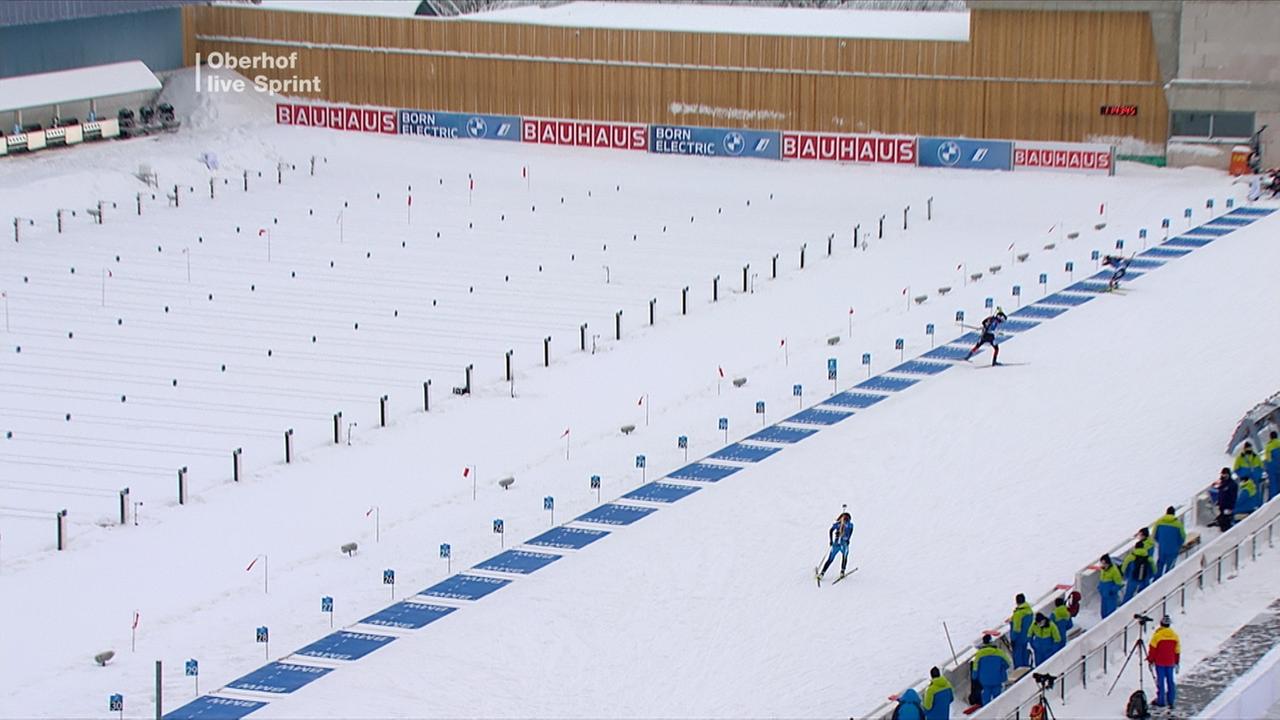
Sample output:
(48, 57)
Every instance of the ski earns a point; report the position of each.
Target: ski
(844, 575)
(1002, 364)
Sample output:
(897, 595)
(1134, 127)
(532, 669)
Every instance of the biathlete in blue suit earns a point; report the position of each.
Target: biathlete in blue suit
(839, 534)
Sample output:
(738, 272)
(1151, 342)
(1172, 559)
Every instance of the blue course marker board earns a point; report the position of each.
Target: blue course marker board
(518, 561)
(408, 615)
(739, 452)
(946, 352)
(818, 416)
(1089, 286)
(615, 514)
(1145, 263)
(1040, 311)
(970, 339)
(884, 383)
(782, 434)
(1208, 231)
(1017, 326)
(206, 707)
(920, 367)
(1256, 212)
(1184, 241)
(567, 538)
(854, 399)
(465, 587)
(1229, 220)
(658, 491)
(1065, 298)
(345, 645)
(703, 472)
(279, 678)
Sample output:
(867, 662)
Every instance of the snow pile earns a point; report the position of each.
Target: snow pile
(735, 114)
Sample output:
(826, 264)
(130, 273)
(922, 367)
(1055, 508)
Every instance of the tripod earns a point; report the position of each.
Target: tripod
(1042, 710)
(1139, 649)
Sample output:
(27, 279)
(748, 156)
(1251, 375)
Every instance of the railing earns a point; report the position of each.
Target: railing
(1090, 653)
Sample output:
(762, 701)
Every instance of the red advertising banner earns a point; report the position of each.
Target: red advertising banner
(849, 148)
(579, 133)
(338, 117)
(1079, 157)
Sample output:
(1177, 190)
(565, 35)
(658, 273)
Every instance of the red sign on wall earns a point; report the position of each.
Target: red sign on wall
(337, 117)
(849, 148)
(1090, 158)
(618, 136)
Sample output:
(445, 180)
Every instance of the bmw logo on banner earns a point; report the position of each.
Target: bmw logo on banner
(734, 143)
(477, 127)
(966, 154)
(458, 125)
(714, 142)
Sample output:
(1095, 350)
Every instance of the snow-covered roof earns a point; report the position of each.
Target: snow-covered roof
(741, 19)
(66, 86)
(375, 8)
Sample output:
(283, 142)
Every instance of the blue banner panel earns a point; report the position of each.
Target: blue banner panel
(740, 452)
(345, 645)
(517, 561)
(406, 615)
(782, 434)
(661, 492)
(614, 514)
(965, 153)
(818, 416)
(465, 587)
(214, 708)
(715, 142)
(459, 125)
(704, 472)
(279, 677)
(567, 538)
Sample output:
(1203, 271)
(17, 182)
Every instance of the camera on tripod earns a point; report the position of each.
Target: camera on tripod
(1142, 619)
(1044, 680)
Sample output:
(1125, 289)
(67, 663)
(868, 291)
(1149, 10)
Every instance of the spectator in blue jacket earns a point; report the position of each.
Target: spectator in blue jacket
(1019, 625)
(1137, 569)
(909, 706)
(1110, 583)
(938, 696)
(1248, 498)
(1271, 463)
(1044, 637)
(1170, 535)
(990, 667)
(1062, 619)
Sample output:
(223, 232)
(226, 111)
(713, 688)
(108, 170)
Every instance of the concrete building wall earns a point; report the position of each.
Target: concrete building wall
(1228, 59)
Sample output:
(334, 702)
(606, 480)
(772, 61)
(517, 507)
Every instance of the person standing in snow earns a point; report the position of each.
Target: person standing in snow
(989, 327)
(1248, 465)
(1121, 265)
(838, 537)
(938, 696)
(1062, 619)
(1170, 535)
(1110, 583)
(1137, 570)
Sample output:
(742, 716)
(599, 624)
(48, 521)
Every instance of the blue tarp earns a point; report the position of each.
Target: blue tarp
(740, 452)
(279, 678)
(409, 615)
(568, 538)
(782, 434)
(464, 587)
(214, 708)
(661, 492)
(705, 472)
(818, 416)
(615, 514)
(345, 645)
(517, 561)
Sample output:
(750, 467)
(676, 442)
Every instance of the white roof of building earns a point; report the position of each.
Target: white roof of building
(741, 19)
(67, 86)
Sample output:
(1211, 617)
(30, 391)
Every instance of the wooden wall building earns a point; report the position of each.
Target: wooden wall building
(1036, 75)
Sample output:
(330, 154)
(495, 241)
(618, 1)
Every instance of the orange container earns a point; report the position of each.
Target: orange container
(1240, 160)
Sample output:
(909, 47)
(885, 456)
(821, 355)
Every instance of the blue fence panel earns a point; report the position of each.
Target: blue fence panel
(818, 416)
(1145, 263)
(214, 708)
(1255, 212)
(715, 142)
(966, 153)
(704, 472)
(661, 492)
(465, 587)
(406, 615)
(782, 434)
(615, 514)
(459, 125)
(1232, 221)
(345, 645)
(739, 452)
(279, 678)
(1165, 252)
(568, 538)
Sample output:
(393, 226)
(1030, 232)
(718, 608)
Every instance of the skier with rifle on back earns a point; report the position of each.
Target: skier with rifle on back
(838, 537)
(989, 327)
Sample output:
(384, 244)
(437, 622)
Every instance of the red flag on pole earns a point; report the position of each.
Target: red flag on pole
(410, 201)
(524, 171)
(1011, 245)
(565, 433)
(367, 514)
(1102, 209)
(721, 370)
(251, 564)
(850, 311)
(473, 184)
(262, 231)
(961, 265)
(904, 291)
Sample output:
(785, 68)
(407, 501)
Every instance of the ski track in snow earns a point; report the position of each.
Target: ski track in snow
(964, 490)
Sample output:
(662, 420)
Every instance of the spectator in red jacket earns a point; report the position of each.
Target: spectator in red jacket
(1164, 653)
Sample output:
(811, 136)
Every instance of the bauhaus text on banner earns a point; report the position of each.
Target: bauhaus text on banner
(849, 148)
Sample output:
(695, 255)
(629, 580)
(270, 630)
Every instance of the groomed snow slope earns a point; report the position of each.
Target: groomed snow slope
(966, 489)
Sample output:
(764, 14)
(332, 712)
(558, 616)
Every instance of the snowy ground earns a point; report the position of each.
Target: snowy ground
(711, 600)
